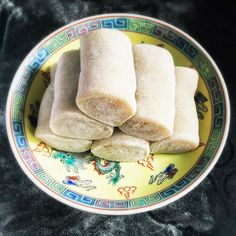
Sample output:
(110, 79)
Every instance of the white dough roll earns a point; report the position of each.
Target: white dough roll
(185, 136)
(155, 95)
(107, 80)
(121, 147)
(44, 133)
(53, 69)
(66, 119)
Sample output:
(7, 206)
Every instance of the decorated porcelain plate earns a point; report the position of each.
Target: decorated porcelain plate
(88, 183)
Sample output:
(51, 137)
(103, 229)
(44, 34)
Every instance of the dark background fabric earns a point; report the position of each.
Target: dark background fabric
(210, 209)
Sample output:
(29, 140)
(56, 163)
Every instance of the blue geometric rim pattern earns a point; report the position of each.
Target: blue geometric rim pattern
(135, 24)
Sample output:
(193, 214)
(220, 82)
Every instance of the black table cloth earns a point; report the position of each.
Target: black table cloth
(210, 209)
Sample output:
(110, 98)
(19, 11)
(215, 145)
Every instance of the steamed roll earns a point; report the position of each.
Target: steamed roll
(107, 81)
(66, 119)
(121, 147)
(44, 133)
(185, 136)
(155, 95)
(53, 69)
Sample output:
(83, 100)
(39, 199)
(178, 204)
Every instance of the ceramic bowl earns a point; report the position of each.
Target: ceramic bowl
(87, 182)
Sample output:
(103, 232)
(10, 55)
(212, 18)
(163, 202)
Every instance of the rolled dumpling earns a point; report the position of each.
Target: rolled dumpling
(186, 130)
(121, 147)
(155, 95)
(107, 81)
(53, 69)
(66, 118)
(44, 133)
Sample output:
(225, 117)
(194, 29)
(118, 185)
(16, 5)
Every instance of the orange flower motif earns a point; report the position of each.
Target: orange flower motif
(44, 149)
(127, 191)
(147, 162)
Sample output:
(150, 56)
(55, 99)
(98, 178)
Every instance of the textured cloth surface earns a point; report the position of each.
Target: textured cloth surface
(210, 209)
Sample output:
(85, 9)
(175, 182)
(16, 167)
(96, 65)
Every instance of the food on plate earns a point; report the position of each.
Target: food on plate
(155, 95)
(185, 136)
(66, 118)
(107, 83)
(121, 147)
(44, 133)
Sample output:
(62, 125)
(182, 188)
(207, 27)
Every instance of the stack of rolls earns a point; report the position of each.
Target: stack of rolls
(121, 101)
